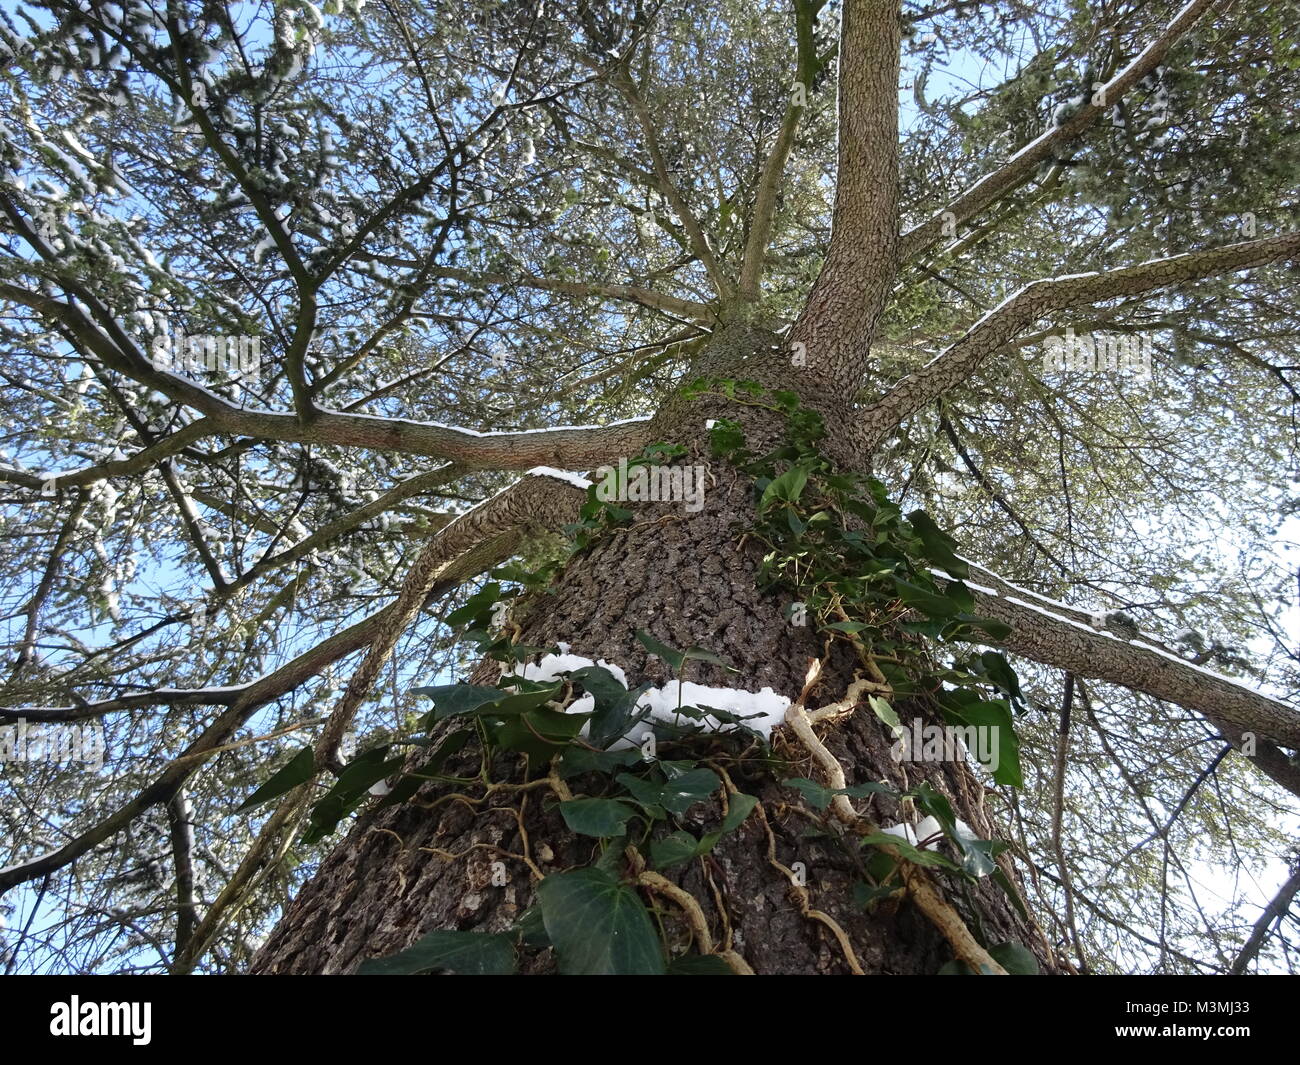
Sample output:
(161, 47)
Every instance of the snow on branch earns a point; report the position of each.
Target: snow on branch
(1064, 637)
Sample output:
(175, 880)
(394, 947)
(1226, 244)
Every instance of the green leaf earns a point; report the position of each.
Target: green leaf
(521, 702)
(907, 850)
(598, 925)
(477, 610)
(887, 714)
(298, 770)
(410, 784)
(349, 791)
(929, 603)
(531, 929)
(740, 807)
(680, 794)
(993, 714)
(700, 654)
(463, 953)
(786, 487)
(997, 630)
(1015, 958)
(451, 700)
(670, 655)
(540, 734)
(579, 760)
(819, 797)
(864, 894)
(939, 546)
(999, 671)
(597, 817)
(673, 849)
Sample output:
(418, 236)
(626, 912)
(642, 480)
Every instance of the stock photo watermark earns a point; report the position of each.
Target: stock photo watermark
(1098, 353)
(946, 743)
(77, 1018)
(237, 356)
(52, 744)
(642, 483)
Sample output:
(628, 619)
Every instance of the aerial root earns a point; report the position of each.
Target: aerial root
(800, 895)
(929, 900)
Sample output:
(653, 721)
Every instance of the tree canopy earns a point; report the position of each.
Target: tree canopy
(471, 239)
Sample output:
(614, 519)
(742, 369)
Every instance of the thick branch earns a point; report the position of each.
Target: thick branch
(855, 281)
(769, 183)
(544, 499)
(1063, 636)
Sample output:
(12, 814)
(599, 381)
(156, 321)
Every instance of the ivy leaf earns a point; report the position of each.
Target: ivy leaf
(932, 604)
(670, 655)
(939, 546)
(679, 795)
(887, 714)
(786, 487)
(451, 700)
(349, 791)
(1010, 955)
(463, 953)
(477, 610)
(597, 817)
(598, 925)
(674, 849)
(999, 671)
(819, 797)
(997, 630)
(740, 806)
(993, 714)
(410, 784)
(579, 760)
(539, 733)
(676, 658)
(912, 853)
(298, 770)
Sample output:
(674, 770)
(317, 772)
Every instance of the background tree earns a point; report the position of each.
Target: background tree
(454, 228)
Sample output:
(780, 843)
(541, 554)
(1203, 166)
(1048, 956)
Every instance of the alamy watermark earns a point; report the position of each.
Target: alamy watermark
(77, 1018)
(644, 483)
(55, 744)
(239, 357)
(1098, 353)
(946, 743)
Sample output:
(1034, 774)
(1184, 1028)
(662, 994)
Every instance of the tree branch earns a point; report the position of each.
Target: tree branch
(1038, 298)
(854, 285)
(1063, 636)
(760, 226)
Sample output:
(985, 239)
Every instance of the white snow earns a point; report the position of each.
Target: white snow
(663, 702)
(575, 479)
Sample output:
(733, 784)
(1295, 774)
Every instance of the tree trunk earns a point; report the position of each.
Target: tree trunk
(689, 579)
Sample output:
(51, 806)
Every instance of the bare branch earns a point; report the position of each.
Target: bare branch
(1275, 909)
(700, 245)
